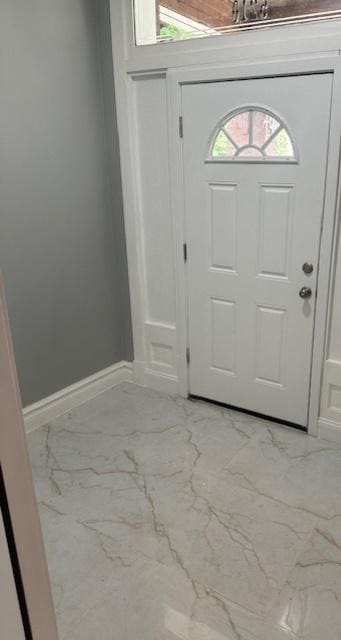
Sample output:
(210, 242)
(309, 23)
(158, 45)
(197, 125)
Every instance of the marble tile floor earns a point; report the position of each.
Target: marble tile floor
(168, 519)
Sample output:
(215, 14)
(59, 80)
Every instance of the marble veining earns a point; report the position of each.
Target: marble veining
(169, 519)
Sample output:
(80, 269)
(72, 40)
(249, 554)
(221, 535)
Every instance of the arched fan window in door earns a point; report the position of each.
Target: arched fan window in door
(252, 134)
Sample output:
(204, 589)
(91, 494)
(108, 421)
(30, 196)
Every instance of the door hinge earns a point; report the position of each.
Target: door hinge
(185, 251)
(181, 127)
(188, 355)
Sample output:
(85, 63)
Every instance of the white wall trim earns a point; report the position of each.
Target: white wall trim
(49, 408)
(282, 40)
(187, 24)
(329, 430)
(162, 382)
(331, 391)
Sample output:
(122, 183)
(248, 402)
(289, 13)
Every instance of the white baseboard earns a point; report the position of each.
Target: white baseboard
(39, 413)
(164, 382)
(329, 430)
(155, 379)
(138, 371)
(55, 405)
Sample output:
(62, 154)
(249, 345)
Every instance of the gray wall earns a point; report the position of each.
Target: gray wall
(62, 247)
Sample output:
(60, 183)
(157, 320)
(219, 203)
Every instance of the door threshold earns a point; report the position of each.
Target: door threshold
(255, 414)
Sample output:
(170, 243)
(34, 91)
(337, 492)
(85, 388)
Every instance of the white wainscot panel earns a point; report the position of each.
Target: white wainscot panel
(223, 209)
(270, 326)
(334, 351)
(275, 222)
(330, 413)
(154, 198)
(161, 347)
(331, 391)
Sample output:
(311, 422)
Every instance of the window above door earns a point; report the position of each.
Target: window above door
(251, 133)
(158, 21)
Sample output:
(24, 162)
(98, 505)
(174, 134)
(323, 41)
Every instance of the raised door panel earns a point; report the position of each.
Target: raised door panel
(275, 226)
(270, 345)
(223, 216)
(223, 331)
(151, 144)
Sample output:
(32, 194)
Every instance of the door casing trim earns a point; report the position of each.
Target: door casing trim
(176, 78)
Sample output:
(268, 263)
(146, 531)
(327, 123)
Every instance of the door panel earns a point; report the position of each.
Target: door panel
(251, 223)
(275, 217)
(223, 207)
(223, 324)
(270, 343)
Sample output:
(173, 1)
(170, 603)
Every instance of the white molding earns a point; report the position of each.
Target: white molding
(153, 378)
(145, 21)
(125, 99)
(49, 408)
(187, 24)
(330, 406)
(266, 41)
(161, 347)
(179, 230)
(328, 252)
(163, 382)
(138, 372)
(329, 430)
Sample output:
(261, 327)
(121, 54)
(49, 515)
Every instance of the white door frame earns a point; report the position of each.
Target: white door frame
(283, 67)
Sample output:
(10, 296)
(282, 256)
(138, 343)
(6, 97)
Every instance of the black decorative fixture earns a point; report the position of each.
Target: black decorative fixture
(250, 10)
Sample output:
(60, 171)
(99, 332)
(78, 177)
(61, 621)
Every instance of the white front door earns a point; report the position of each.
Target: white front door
(255, 154)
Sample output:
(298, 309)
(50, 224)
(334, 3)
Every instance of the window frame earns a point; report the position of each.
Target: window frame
(210, 158)
(234, 29)
(304, 38)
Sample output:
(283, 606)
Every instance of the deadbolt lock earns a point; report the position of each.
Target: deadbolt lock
(307, 267)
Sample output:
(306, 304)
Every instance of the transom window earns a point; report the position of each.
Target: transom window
(253, 134)
(170, 20)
